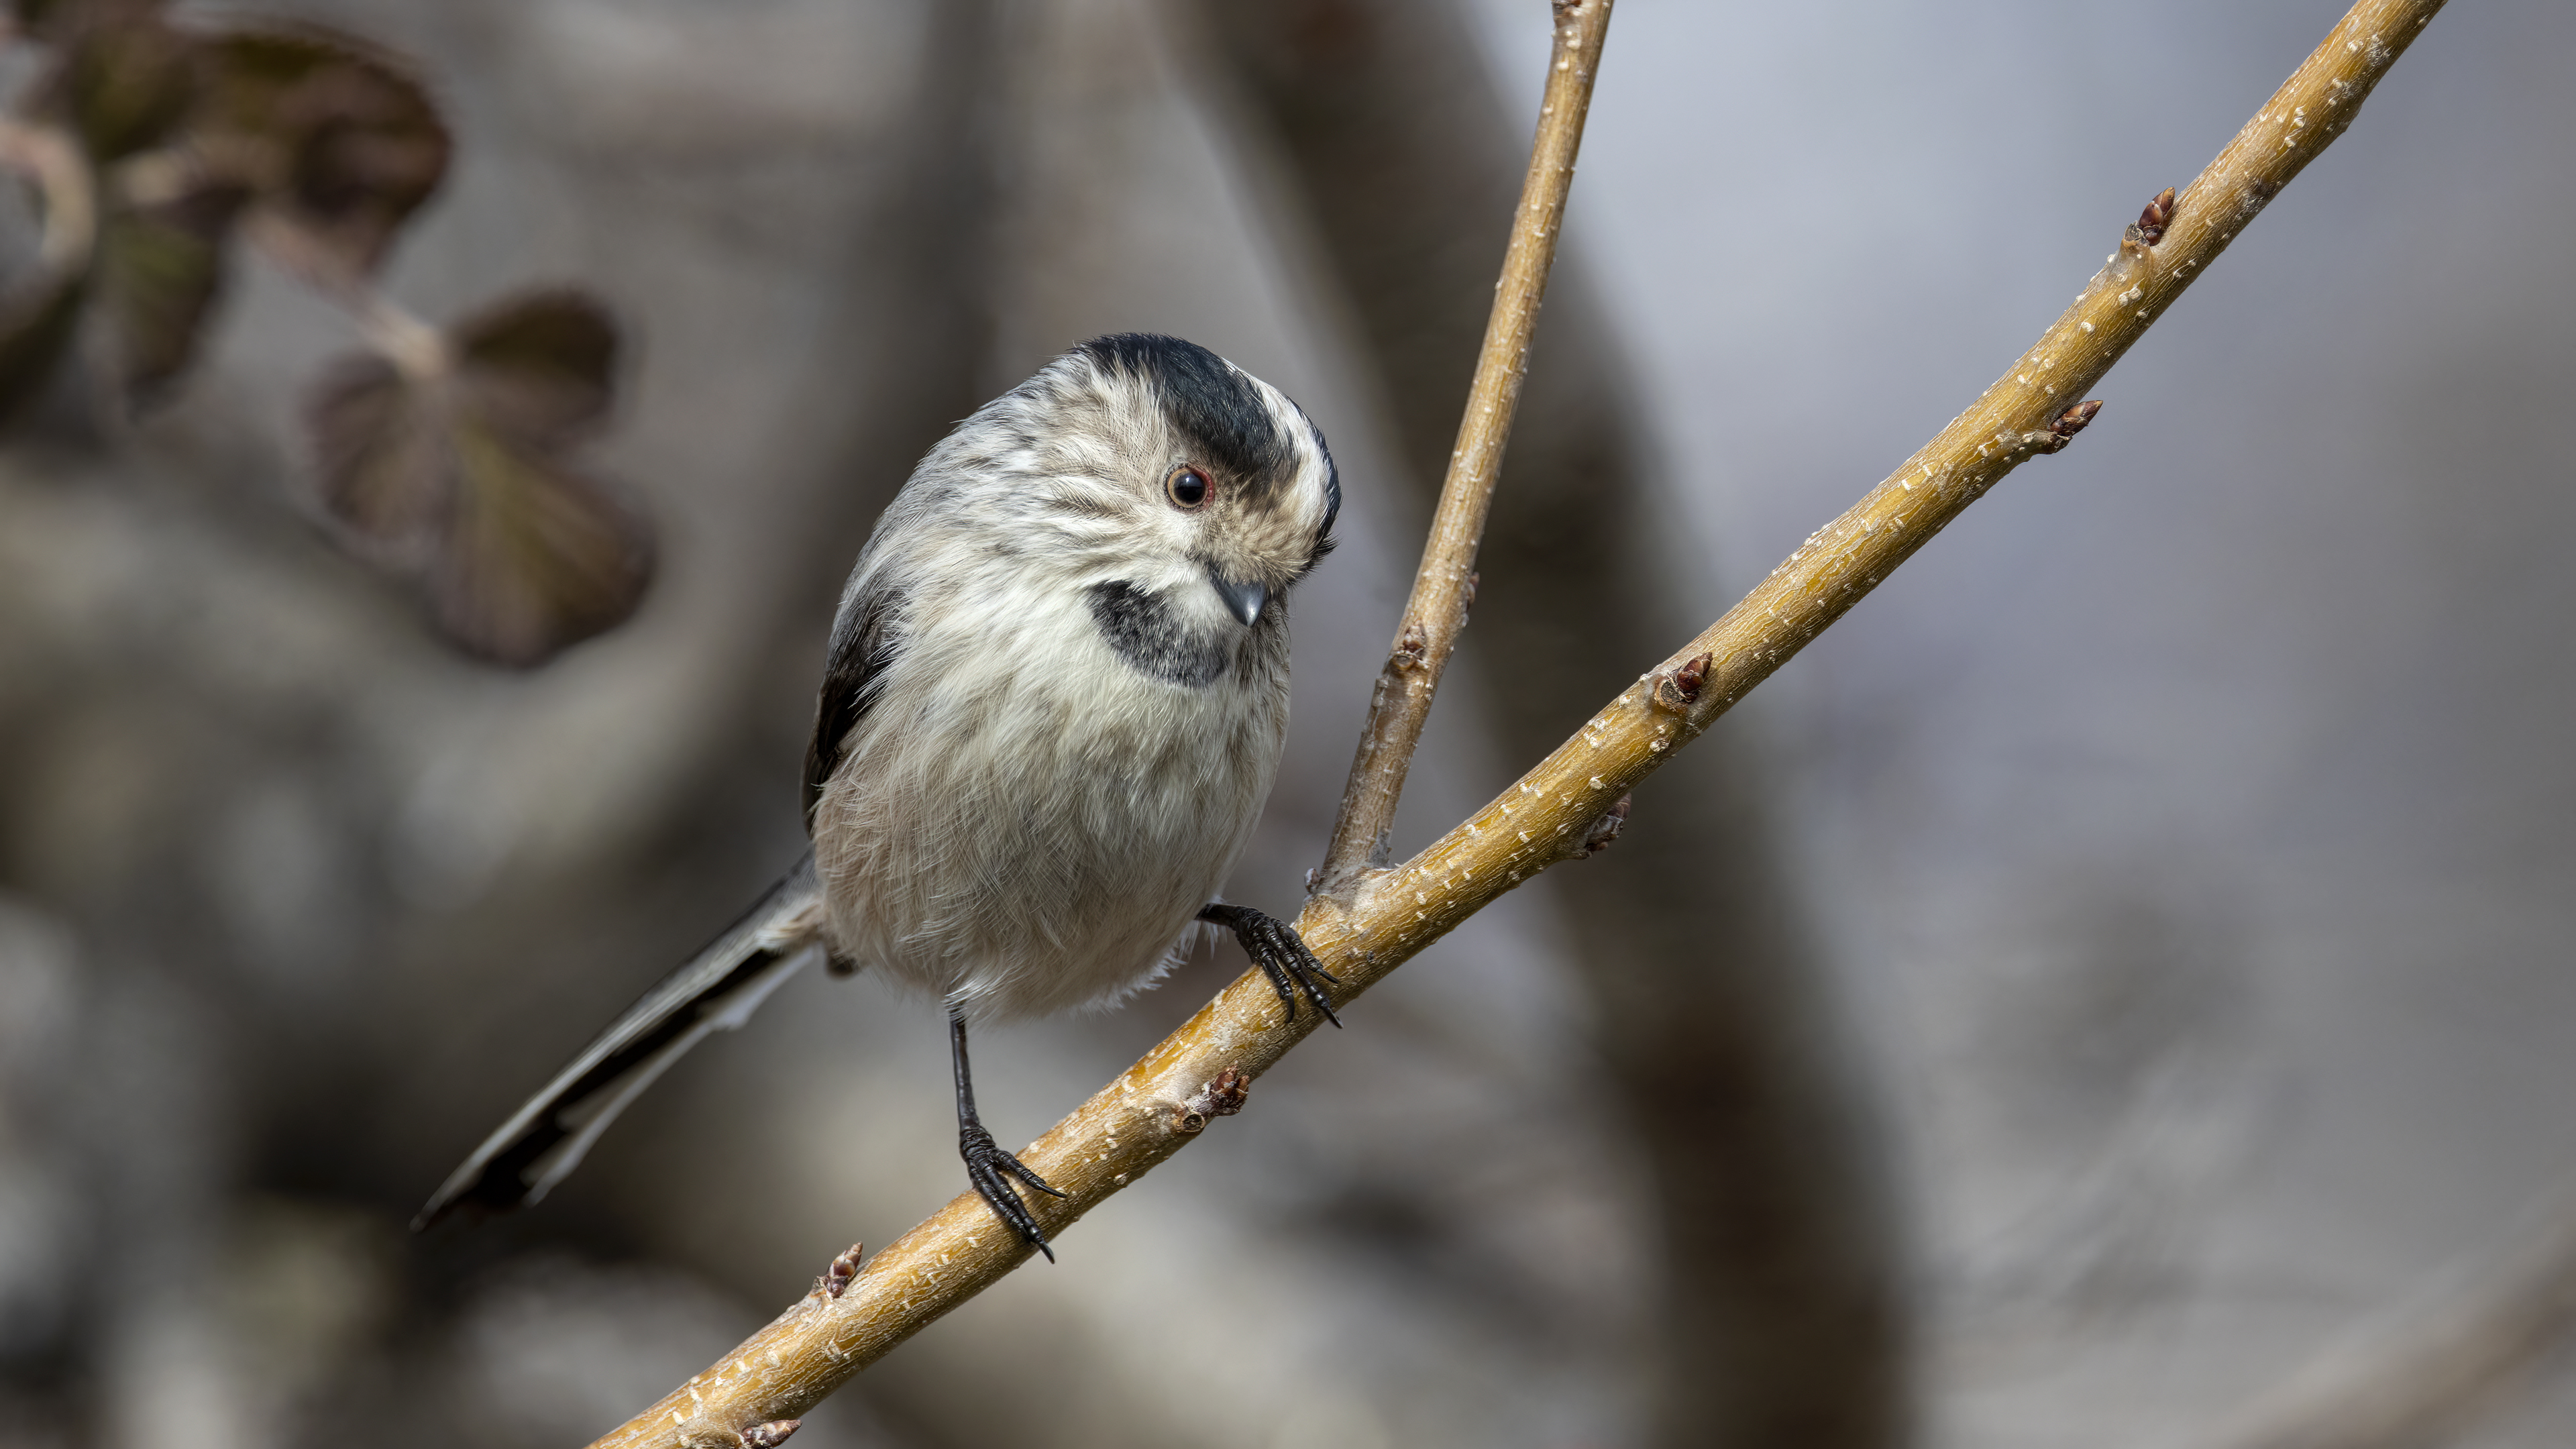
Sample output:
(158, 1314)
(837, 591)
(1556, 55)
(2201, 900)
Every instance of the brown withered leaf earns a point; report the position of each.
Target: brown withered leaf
(39, 314)
(455, 478)
(40, 307)
(54, 19)
(160, 266)
(41, 18)
(547, 362)
(378, 461)
(337, 141)
(121, 84)
(539, 556)
(124, 79)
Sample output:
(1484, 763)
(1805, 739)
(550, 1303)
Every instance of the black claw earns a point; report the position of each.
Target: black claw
(1276, 948)
(991, 1169)
(1012, 1166)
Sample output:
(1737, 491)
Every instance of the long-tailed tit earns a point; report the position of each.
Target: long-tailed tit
(1053, 706)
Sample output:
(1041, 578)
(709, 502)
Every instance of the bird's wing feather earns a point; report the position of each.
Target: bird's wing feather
(718, 990)
(864, 640)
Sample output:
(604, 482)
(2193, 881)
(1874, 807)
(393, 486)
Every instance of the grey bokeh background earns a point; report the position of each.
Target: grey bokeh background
(2124, 957)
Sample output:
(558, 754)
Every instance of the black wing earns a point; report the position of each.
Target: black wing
(863, 643)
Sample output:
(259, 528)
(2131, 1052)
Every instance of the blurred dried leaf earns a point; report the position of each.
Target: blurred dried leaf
(377, 460)
(453, 476)
(41, 17)
(40, 310)
(124, 80)
(55, 19)
(541, 556)
(160, 266)
(38, 316)
(544, 363)
(338, 142)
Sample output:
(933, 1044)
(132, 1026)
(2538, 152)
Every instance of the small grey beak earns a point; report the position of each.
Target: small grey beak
(1244, 599)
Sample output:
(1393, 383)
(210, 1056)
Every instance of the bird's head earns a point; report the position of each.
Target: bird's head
(1179, 478)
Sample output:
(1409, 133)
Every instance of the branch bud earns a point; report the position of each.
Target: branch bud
(1604, 830)
(1221, 1097)
(836, 1279)
(2149, 228)
(1676, 692)
(2069, 423)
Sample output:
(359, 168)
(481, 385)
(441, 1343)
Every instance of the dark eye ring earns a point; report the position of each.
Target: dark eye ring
(1187, 487)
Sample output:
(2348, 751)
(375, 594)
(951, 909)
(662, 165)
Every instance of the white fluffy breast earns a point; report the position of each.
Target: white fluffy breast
(1026, 821)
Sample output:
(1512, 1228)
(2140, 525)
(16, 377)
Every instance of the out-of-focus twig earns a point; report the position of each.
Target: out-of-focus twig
(1444, 586)
(52, 157)
(1155, 1107)
(40, 309)
(2437, 1369)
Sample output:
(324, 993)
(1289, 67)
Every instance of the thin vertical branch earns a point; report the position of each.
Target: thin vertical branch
(1777, 1311)
(1445, 585)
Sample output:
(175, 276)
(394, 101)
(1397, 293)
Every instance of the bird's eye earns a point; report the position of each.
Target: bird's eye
(1187, 487)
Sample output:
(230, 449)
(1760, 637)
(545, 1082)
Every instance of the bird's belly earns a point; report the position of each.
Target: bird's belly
(1029, 850)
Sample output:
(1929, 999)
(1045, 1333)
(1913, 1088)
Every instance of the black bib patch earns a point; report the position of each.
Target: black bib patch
(1140, 626)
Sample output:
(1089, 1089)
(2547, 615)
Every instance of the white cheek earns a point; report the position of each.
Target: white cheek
(1180, 582)
(1193, 601)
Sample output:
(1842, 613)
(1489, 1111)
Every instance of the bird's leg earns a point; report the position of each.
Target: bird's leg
(988, 1167)
(1275, 947)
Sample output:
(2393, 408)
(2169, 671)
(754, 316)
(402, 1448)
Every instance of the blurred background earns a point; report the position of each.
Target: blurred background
(2125, 960)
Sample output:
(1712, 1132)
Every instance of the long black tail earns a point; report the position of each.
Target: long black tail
(717, 991)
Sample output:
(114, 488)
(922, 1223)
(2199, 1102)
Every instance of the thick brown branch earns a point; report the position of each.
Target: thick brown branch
(1444, 586)
(1151, 1110)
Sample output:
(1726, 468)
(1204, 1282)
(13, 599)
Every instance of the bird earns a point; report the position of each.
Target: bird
(1052, 708)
